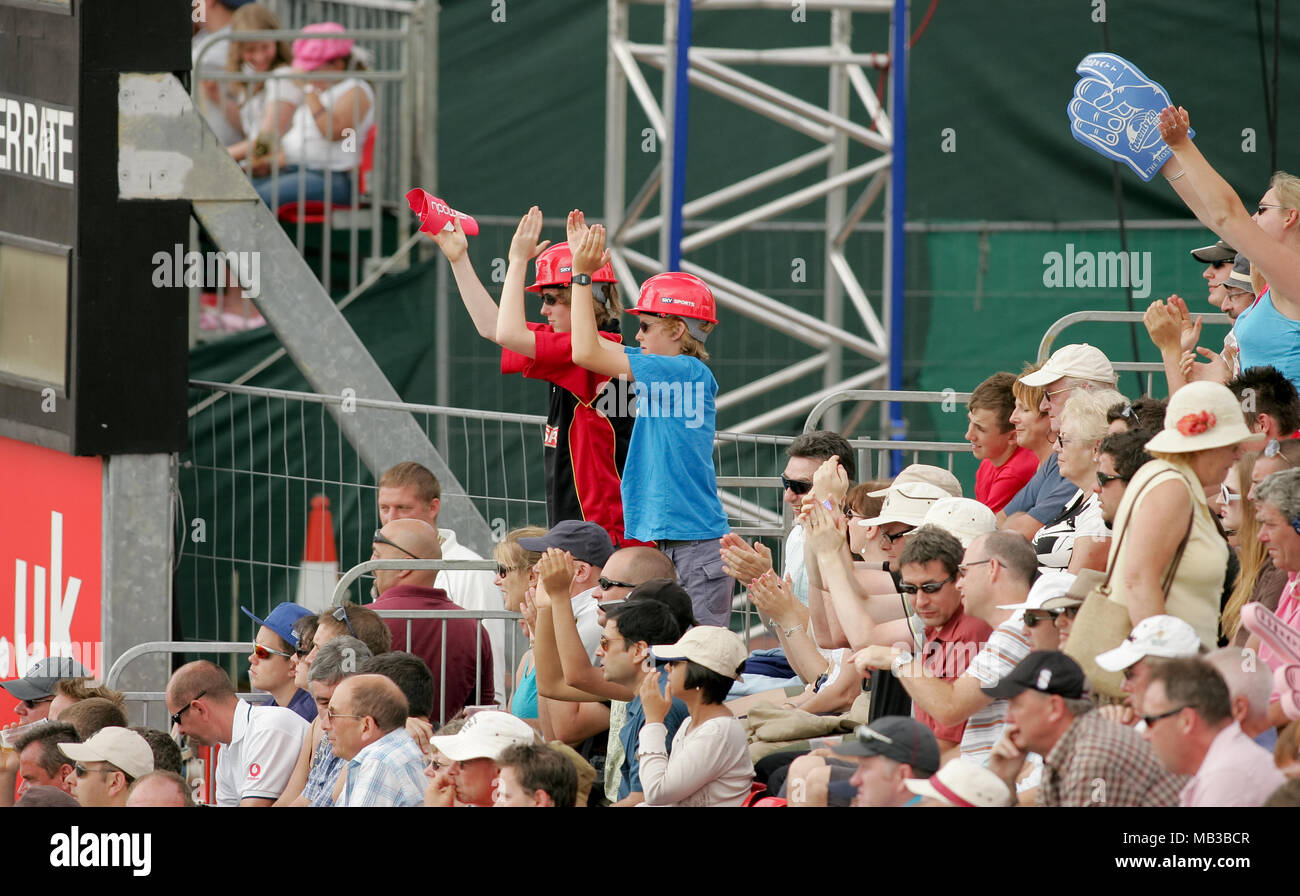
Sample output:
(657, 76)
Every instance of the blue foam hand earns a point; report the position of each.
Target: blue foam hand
(1116, 111)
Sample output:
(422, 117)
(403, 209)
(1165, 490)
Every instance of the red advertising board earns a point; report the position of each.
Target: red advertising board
(51, 546)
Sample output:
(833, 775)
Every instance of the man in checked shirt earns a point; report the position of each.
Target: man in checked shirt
(366, 724)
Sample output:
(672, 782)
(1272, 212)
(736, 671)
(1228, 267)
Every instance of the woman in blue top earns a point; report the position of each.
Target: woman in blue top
(1269, 333)
(670, 495)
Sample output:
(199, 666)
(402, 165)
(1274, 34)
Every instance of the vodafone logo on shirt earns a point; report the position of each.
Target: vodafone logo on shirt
(254, 770)
(50, 560)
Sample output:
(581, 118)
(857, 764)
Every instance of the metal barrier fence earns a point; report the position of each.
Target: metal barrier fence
(258, 457)
(875, 455)
(1150, 368)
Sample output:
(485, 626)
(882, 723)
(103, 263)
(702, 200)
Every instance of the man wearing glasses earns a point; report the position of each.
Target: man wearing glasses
(1189, 725)
(1119, 457)
(461, 644)
(929, 568)
(107, 764)
(35, 690)
(996, 570)
(1070, 367)
(366, 724)
(260, 744)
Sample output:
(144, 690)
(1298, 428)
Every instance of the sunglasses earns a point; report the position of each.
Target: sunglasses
(503, 571)
(798, 486)
(1105, 479)
(32, 704)
(82, 770)
(178, 714)
(380, 538)
(1274, 449)
(928, 587)
(341, 614)
(550, 299)
(606, 584)
(1032, 618)
(262, 652)
(1069, 612)
(1151, 720)
(891, 538)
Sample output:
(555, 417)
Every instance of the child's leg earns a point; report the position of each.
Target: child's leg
(699, 570)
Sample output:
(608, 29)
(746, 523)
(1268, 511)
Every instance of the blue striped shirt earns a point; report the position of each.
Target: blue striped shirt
(319, 789)
(387, 772)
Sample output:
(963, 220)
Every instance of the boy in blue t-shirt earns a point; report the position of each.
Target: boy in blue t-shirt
(670, 495)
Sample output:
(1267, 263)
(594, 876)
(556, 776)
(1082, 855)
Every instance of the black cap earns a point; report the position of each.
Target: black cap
(898, 738)
(669, 593)
(585, 541)
(1216, 254)
(1045, 671)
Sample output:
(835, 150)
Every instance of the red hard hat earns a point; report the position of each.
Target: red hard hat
(682, 295)
(555, 268)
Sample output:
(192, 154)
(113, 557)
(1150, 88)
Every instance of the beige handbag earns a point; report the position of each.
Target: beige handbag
(1102, 624)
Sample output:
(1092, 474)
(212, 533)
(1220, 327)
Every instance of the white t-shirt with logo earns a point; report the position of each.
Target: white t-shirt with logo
(263, 749)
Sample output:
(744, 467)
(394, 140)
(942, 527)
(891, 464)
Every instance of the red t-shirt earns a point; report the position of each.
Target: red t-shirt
(588, 427)
(948, 651)
(996, 486)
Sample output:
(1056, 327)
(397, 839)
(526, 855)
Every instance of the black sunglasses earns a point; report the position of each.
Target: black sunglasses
(606, 584)
(176, 716)
(1032, 618)
(1151, 720)
(928, 587)
(550, 299)
(1105, 479)
(896, 536)
(381, 538)
(798, 486)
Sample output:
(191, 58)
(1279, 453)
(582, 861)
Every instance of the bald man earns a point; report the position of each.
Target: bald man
(366, 724)
(260, 743)
(468, 647)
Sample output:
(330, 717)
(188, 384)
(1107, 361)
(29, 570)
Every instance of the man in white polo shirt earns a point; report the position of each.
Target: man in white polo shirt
(260, 744)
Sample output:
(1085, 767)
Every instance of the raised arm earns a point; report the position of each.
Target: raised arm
(589, 350)
(482, 310)
(556, 570)
(1223, 213)
(512, 325)
(546, 656)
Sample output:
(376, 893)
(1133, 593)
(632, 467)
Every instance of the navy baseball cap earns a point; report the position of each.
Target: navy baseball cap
(585, 541)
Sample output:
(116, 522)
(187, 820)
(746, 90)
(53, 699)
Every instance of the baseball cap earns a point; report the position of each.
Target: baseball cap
(587, 542)
(1080, 361)
(486, 735)
(1214, 254)
(907, 503)
(666, 592)
(712, 646)
(898, 738)
(963, 782)
(435, 214)
(965, 518)
(1047, 586)
(310, 53)
(1164, 636)
(936, 476)
(1045, 671)
(124, 748)
(281, 619)
(41, 677)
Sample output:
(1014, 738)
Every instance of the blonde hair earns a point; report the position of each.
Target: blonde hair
(1030, 396)
(1287, 187)
(607, 311)
(254, 17)
(1085, 413)
(690, 345)
(1250, 550)
(509, 553)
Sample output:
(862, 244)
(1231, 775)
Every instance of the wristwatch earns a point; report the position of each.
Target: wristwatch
(581, 279)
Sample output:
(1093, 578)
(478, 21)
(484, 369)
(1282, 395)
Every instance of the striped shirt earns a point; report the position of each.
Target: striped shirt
(386, 772)
(319, 789)
(1005, 648)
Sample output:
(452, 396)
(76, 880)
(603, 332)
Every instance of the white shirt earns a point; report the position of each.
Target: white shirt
(794, 565)
(276, 90)
(305, 145)
(263, 749)
(213, 61)
(475, 589)
(584, 614)
(709, 765)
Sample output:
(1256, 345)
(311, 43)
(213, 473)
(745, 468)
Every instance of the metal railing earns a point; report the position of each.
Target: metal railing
(394, 82)
(875, 454)
(1150, 368)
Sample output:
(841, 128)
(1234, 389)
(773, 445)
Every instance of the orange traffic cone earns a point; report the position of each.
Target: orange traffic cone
(320, 559)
